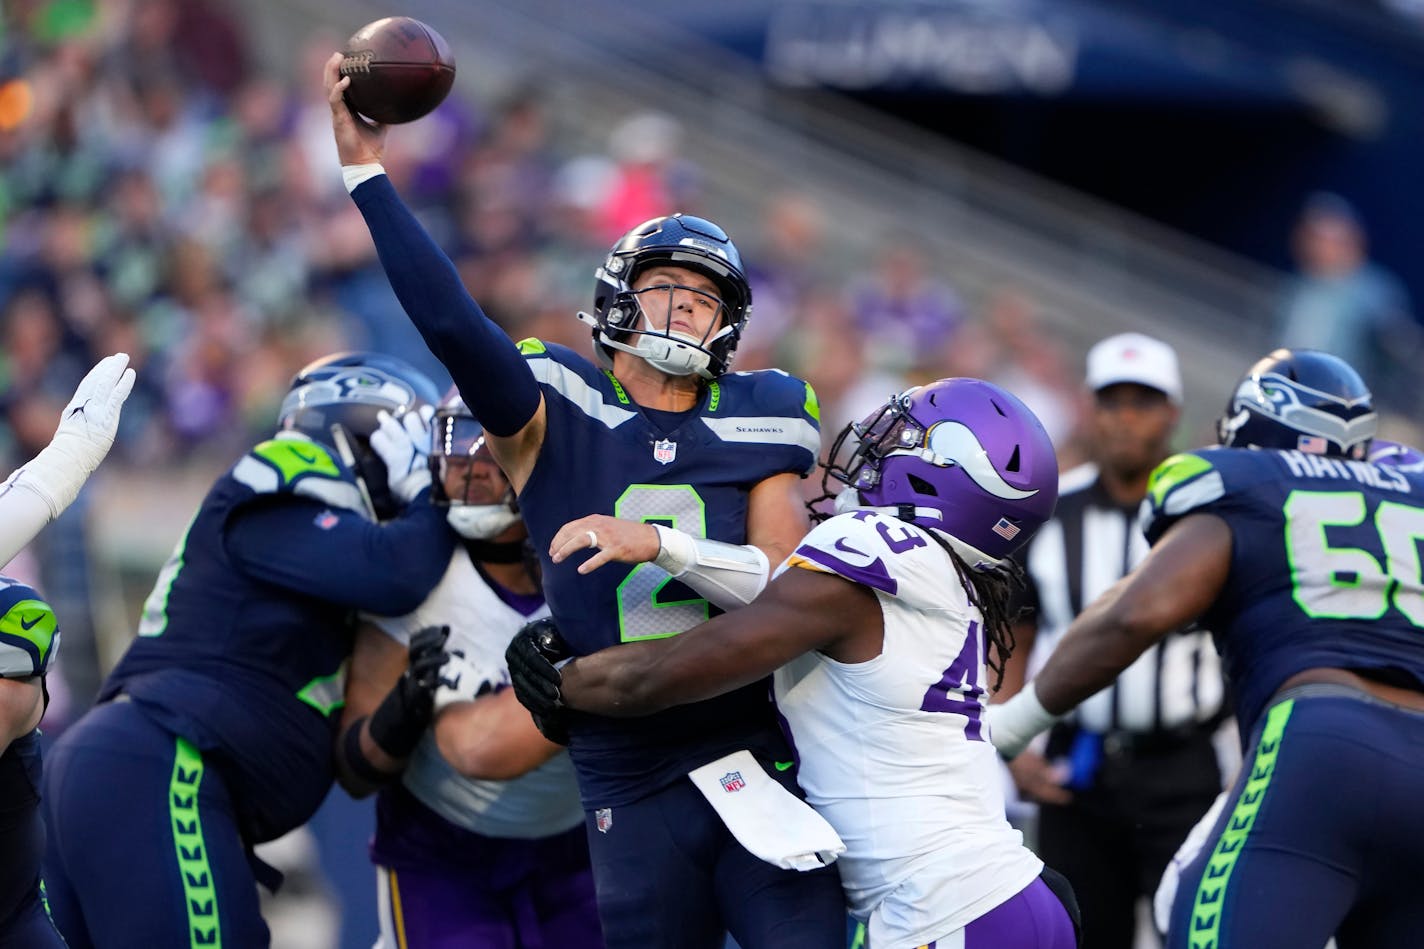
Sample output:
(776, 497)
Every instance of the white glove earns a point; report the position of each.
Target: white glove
(84, 436)
(1013, 724)
(464, 679)
(404, 446)
(52, 478)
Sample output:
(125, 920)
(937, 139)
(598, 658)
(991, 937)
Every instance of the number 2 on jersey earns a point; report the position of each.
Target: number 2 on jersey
(1338, 582)
(642, 612)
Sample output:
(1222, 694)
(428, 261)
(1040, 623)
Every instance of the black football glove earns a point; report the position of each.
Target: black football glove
(531, 656)
(406, 711)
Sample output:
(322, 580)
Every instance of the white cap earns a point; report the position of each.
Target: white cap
(1133, 357)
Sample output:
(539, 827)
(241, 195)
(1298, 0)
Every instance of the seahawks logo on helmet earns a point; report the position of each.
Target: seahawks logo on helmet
(1291, 399)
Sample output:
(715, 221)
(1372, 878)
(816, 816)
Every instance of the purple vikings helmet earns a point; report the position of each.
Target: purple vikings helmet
(1301, 399)
(961, 456)
(1396, 455)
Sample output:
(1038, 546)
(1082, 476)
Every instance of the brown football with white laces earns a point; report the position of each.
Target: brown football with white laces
(400, 70)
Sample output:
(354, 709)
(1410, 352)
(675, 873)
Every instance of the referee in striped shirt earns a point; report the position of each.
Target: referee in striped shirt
(1121, 783)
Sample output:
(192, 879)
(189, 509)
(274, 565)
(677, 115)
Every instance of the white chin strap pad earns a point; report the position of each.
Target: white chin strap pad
(728, 575)
(481, 521)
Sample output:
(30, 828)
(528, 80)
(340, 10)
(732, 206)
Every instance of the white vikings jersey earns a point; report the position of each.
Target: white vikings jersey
(894, 752)
(538, 804)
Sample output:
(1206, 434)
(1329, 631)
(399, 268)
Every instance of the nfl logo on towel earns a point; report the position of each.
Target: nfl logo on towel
(732, 781)
(603, 819)
(1005, 530)
(664, 451)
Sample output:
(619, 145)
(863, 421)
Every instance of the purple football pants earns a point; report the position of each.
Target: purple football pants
(1033, 919)
(440, 886)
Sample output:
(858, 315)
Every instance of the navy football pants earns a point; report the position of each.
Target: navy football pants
(143, 848)
(669, 875)
(1323, 834)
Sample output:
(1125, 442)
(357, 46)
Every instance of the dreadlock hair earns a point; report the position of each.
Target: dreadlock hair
(992, 592)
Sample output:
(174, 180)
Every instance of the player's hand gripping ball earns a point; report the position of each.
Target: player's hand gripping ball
(400, 69)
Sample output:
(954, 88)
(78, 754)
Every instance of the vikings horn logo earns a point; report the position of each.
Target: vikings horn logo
(954, 444)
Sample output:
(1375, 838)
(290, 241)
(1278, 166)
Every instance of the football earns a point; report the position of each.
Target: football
(400, 69)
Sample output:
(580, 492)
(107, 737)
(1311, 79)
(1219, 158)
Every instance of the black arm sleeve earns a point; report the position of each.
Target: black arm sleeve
(492, 376)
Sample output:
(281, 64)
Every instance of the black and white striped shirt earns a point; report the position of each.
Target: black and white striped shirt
(1090, 543)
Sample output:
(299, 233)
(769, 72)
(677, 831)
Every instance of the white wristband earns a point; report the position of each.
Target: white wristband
(728, 575)
(1013, 724)
(354, 175)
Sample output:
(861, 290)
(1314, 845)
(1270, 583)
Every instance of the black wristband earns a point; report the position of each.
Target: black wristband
(356, 760)
(400, 720)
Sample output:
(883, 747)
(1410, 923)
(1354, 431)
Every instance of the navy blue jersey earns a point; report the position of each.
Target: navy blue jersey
(692, 471)
(602, 454)
(243, 642)
(1325, 564)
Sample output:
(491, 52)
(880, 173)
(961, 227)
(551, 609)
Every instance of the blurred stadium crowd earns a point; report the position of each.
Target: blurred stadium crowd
(163, 197)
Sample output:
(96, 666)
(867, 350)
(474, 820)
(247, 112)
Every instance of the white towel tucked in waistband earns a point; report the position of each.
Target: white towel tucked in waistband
(770, 821)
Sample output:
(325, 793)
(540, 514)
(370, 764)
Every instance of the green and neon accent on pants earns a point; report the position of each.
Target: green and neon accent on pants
(1216, 876)
(199, 893)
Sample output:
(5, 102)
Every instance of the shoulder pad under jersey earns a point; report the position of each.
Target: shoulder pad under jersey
(29, 636)
(294, 464)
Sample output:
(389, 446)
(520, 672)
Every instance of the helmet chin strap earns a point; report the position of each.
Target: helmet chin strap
(481, 521)
(675, 353)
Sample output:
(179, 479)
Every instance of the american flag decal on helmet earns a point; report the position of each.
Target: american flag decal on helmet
(1005, 529)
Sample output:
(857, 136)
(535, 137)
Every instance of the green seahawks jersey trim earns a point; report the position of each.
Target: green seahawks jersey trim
(1211, 894)
(531, 346)
(294, 458)
(1174, 471)
(154, 618)
(302, 466)
(199, 893)
(617, 388)
(326, 694)
(27, 633)
(1184, 482)
(813, 404)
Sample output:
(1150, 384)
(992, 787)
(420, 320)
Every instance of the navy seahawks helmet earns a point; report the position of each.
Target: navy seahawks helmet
(679, 240)
(336, 400)
(1301, 399)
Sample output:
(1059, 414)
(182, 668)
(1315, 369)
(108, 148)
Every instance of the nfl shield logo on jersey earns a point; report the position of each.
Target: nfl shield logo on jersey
(732, 781)
(664, 451)
(603, 819)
